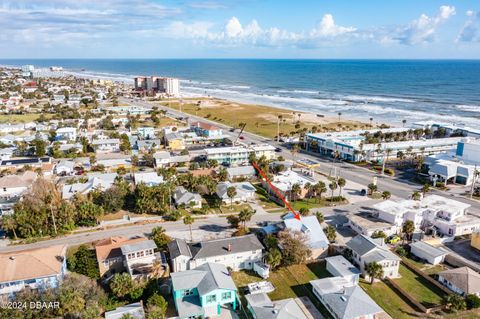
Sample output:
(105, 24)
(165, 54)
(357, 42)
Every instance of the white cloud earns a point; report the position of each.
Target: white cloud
(471, 29)
(421, 30)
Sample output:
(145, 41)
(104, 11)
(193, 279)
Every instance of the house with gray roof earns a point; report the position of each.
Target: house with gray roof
(182, 197)
(463, 281)
(240, 172)
(366, 250)
(345, 300)
(235, 252)
(244, 192)
(133, 310)
(261, 307)
(427, 252)
(201, 292)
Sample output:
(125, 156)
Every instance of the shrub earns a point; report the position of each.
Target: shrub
(473, 301)
(401, 251)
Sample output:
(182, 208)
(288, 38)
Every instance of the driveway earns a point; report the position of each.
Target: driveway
(226, 313)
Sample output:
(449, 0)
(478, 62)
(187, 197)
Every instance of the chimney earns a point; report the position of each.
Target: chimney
(229, 247)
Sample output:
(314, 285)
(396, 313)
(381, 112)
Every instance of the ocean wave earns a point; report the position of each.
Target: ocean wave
(469, 108)
(366, 98)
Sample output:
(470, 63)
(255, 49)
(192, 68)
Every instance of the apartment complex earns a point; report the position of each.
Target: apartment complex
(166, 85)
(238, 155)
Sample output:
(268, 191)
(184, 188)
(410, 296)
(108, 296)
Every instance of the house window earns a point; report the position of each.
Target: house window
(188, 292)
(226, 295)
(211, 298)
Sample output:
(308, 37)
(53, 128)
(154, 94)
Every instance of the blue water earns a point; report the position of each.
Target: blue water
(387, 90)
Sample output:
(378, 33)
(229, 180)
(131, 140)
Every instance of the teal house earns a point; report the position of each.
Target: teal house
(203, 292)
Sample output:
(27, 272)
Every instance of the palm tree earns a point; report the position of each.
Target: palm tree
(245, 216)
(231, 192)
(9, 224)
(339, 116)
(425, 189)
(279, 119)
(404, 122)
(320, 217)
(385, 159)
(188, 220)
(341, 183)
(374, 270)
(333, 186)
(408, 229)
(455, 302)
(371, 121)
(304, 211)
(386, 195)
(295, 191)
(295, 149)
(318, 189)
(308, 187)
(416, 195)
(330, 232)
(274, 258)
(372, 188)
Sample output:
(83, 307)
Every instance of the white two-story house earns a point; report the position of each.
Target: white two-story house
(236, 253)
(366, 250)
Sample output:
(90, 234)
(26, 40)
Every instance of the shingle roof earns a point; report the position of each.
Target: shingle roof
(141, 245)
(220, 247)
(178, 247)
(464, 278)
(31, 264)
(110, 247)
(370, 249)
(351, 302)
(206, 278)
(135, 310)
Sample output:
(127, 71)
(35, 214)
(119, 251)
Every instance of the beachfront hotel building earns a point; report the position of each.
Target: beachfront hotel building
(449, 128)
(353, 146)
(238, 155)
(168, 86)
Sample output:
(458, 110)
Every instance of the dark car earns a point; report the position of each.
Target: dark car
(3, 234)
(278, 150)
(241, 137)
(363, 192)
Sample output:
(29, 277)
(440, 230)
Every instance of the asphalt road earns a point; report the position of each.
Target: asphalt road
(399, 187)
(210, 224)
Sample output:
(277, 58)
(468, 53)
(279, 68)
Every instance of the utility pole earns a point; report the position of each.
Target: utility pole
(475, 175)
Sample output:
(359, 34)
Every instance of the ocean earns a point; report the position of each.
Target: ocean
(386, 90)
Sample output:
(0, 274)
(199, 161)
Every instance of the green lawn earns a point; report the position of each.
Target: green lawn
(426, 268)
(21, 118)
(308, 203)
(265, 202)
(389, 300)
(419, 288)
(289, 282)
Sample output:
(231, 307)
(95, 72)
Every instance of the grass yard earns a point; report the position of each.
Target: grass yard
(419, 288)
(289, 282)
(426, 268)
(264, 200)
(389, 300)
(21, 118)
(308, 203)
(261, 120)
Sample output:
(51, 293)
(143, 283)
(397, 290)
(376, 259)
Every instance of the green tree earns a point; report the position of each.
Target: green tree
(379, 234)
(156, 307)
(455, 302)
(374, 270)
(121, 284)
(274, 258)
(304, 211)
(125, 145)
(87, 212)
(320, 217)
(231, 193)
(222, 175)
(245, 216)
(188, 220)
(233, 220)
(295, 191)
(416, 195)
(294, 247)
(341, 184)
(473, 301)
(330, 232)
(425, 189)
(372, 188)
(386, 195)
(160, 238)
(333, 186)
(40, 147)
(84, 262)
(408, 229)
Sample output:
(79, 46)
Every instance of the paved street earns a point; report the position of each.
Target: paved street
(212, 227)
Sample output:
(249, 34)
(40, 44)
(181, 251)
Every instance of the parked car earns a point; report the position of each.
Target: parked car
(3, 234)
(278, 150)
(393, 239)
(241, 137)
(363, 192)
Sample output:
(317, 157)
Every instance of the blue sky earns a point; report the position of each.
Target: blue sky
(239, 29)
